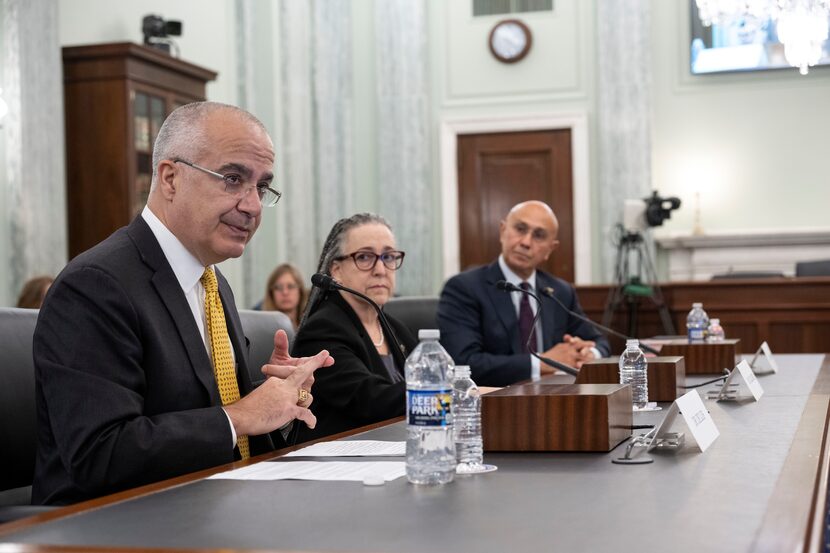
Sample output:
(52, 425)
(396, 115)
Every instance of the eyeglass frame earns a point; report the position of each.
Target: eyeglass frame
(375, 262)
(259, 186)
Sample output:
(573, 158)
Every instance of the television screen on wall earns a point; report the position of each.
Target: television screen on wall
(740, 44)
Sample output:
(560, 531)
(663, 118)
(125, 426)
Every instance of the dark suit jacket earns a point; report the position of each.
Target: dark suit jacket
(356, 390)
(125, 388)
(479, 326)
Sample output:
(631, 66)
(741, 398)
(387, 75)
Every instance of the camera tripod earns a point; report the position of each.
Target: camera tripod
(631, 288)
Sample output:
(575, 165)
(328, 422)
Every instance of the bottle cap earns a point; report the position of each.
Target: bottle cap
(714, 321)
(461, 371)
(697, 304)
(633, 342)
(429, 334)
(373, 480)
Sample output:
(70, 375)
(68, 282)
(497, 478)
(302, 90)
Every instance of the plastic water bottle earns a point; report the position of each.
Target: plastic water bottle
(634, 371)
(697, 321)
(715, 332)
(466, 413)
(430, 450)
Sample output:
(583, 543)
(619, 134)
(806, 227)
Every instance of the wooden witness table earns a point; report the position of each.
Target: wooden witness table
(760, 487)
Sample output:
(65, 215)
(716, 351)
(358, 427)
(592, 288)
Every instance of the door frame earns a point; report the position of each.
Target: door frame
(577, 122)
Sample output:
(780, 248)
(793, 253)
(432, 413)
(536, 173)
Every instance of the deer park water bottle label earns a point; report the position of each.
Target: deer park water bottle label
(429, 407)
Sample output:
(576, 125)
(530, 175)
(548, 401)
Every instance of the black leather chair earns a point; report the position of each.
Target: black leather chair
(415, 312)
(260, 327)
(18, 419)
(812, 268)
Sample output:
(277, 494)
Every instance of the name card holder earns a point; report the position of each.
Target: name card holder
(729, 389)
(697, 418)
(755, 363)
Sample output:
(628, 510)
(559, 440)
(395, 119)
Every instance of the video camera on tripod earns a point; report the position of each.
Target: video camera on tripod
(652, 211)
(634, 274)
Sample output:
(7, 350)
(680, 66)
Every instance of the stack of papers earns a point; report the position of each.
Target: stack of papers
(358, 471)
(317, 470)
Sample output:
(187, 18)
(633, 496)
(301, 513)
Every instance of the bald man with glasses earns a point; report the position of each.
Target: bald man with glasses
(140, 357)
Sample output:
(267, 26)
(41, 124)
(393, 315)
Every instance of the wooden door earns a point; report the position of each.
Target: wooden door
(497, 171)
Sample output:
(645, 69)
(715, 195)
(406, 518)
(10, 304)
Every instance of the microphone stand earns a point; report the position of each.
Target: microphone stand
(548, 291)
(326, 283)
(507, 287)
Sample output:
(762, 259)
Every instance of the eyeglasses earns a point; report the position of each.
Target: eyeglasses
(236, 186)
(366, 260)
(290, 287)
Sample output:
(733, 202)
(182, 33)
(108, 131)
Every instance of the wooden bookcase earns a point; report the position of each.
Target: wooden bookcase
(116, 98)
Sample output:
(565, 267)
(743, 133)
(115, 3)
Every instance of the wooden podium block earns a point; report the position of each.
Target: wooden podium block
(553, 417)
(666, 375)
(703, 358)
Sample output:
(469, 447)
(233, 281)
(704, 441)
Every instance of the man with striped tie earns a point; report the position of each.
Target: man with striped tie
(139, 353)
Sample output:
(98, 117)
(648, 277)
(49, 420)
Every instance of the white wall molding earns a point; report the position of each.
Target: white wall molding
(576, 122)
(699, 257)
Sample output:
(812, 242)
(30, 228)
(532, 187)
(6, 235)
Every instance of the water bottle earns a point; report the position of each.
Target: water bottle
(634, 371)
(697, 321)
(466, 415)
(430, 450)
(715, 332)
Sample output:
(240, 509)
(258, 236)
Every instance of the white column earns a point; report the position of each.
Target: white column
(32, 167)
(315, 122)
(624, 109)
(404, 138)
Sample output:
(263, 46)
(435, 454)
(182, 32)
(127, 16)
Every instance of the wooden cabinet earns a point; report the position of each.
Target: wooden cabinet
(116, 98)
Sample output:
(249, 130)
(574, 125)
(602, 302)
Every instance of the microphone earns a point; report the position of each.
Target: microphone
(326, 283)
(548, 291)
(508, 287)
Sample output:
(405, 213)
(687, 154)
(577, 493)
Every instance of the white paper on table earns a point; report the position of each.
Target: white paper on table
(352, 448)
(316, 470)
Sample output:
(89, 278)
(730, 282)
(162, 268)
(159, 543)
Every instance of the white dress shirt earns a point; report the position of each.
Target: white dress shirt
(188, 271)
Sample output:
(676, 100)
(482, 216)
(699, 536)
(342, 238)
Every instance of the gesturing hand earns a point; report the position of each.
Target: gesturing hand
(275, 403)
(281, 364)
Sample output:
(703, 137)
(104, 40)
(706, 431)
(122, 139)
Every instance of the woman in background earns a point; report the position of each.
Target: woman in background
(366, 384)
(33, 292)
(285, 292)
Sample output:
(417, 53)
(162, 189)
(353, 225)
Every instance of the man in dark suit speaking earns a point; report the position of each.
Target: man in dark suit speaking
(489, 329)
(140, 357)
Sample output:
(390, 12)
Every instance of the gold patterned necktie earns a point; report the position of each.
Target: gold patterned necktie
(220, 348)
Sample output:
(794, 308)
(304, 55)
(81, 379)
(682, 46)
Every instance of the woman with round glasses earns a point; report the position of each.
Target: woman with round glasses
(285, 292)
(366, 384)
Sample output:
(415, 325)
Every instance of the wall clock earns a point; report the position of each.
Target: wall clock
(510, 40)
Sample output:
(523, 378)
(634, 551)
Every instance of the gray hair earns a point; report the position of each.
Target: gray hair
(183, 132)
(333, 248)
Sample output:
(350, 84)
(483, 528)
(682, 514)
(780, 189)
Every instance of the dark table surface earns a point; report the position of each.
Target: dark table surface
(683, 501)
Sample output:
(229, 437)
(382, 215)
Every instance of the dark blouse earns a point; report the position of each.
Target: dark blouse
(358, 389)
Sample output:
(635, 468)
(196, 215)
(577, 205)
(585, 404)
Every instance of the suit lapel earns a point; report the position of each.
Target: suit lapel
(170, 292)
(503, 305)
